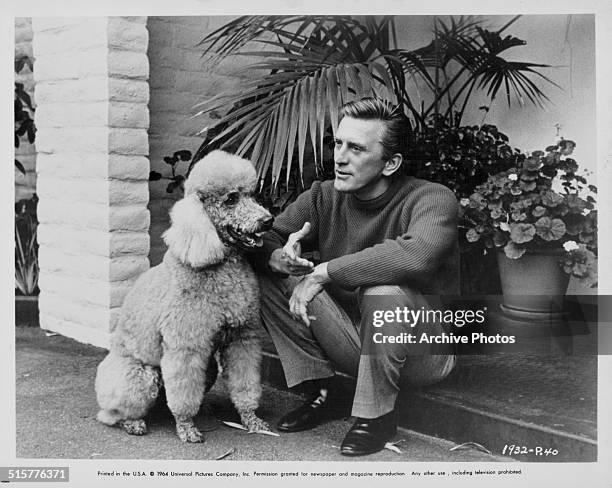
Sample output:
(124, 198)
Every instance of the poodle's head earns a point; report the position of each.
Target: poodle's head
(217, 211)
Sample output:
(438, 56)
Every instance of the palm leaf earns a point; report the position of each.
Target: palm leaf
(313, 64)
(312, 115)
(231, 37)
(332, 97)
(304, 88)
(353, 76)
(321, 104)
(384, 79)
(269, 147)
(293, 126)
(256, 155)
(344, 93)
(280, 138)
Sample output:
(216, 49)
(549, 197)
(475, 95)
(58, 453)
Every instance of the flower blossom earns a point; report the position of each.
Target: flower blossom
(570, 246)
(464, 202)
(513, 177)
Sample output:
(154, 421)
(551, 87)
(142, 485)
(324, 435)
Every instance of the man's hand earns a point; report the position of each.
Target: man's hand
(288, 259)
(310, 286)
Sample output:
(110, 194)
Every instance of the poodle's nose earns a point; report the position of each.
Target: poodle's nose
(266, 224)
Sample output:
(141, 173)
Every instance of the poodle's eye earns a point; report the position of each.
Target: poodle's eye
(232, 198)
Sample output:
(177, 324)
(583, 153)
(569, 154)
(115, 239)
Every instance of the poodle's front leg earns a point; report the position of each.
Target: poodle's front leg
(183, 372)
(241, 361)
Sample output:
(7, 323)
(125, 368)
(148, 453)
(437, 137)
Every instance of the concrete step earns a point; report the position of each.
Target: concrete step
(539, 404)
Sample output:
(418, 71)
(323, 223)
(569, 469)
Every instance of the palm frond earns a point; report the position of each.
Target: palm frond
(234, 35)
(311, 65)
(304, 88)
(293, 127)
(281, 136)
(479, 58)
(332, 97)
(312, 114)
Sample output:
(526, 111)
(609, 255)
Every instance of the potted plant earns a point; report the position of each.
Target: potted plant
(540, 216)
(26, 222)
(462, 158)
(26, 262)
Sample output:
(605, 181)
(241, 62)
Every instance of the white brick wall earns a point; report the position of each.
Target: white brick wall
(92, 117)
(25, 185)
(179, 79)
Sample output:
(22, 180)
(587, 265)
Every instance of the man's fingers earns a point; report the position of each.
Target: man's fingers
(298, 310)
(301, 263)
(294, 238)
(303, 232)
(304, 317)
(299, 313)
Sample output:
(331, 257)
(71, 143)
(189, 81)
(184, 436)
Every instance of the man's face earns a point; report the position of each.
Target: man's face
(358, 157)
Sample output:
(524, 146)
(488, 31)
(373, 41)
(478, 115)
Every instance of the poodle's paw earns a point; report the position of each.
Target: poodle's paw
(134, 426)
(187, 431)
(252, 422)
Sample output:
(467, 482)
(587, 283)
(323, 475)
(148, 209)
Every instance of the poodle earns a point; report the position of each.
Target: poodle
(201, 299)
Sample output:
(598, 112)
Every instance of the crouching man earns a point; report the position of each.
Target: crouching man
(378, 232)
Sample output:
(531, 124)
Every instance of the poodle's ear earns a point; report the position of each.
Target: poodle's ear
(192, 237)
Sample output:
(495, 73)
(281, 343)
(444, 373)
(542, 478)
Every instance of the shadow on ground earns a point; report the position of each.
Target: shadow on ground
(56, 410)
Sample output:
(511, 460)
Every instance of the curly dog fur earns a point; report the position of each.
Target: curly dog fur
(201, 299)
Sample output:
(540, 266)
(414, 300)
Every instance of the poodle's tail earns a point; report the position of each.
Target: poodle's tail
(109, 417)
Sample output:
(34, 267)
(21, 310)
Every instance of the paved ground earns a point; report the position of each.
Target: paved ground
(56, 410)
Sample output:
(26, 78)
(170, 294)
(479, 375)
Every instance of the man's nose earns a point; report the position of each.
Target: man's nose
(340, 155)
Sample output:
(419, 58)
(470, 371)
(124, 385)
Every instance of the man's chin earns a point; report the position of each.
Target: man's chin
(342, 186)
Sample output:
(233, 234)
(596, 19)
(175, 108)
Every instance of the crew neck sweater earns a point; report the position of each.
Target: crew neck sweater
(405, 236)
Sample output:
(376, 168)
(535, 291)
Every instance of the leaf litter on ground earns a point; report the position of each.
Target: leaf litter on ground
(235, 425)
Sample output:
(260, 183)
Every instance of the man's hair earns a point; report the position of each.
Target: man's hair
(397, 126)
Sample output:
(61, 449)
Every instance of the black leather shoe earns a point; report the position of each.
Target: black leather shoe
(368, 436)
(306, 417)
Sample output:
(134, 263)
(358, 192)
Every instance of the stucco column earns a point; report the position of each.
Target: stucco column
(92, 118)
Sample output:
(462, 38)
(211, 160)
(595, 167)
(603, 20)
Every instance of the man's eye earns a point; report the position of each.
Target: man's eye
(337, 143)
(231, 199)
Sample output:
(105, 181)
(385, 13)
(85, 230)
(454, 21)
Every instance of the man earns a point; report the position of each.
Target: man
(377, 232)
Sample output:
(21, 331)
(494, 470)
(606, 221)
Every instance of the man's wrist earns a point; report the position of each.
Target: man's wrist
(319, 274)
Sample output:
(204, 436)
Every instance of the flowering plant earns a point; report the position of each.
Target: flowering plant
(459, 157)
(539, 204)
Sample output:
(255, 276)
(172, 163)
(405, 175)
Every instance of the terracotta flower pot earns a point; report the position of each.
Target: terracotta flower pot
(533, 286)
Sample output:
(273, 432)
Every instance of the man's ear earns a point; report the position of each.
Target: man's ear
(393, 164)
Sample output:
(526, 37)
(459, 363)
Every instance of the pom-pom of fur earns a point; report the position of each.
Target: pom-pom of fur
(218, 171)
(109, 417)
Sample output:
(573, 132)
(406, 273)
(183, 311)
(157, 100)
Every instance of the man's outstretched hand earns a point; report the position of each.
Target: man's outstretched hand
(288, 259)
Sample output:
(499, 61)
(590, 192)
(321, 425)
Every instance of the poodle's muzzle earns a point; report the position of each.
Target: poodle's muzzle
(251, 240)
